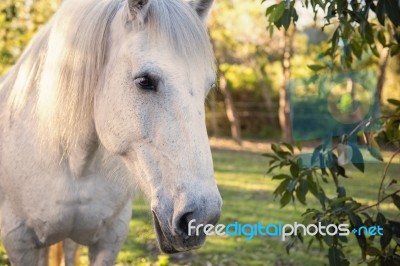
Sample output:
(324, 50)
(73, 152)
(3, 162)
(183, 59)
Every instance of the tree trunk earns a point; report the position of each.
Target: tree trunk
(265, 91)
(213, 111)
(284, 105)
(268, 102)
(230, 109)
(384, 60)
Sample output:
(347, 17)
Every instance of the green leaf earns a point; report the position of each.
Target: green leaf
(303, 187)
(395, 50)
(285, 199)
(298, 145)
(368, 221)
(335, 257)
(354, 4)
(316, 154)
(393, 10)
(341, 171)
(362, 241)
(348, 58)
(312, 186)
(386, 237)
(394, 102)
(270, 9)
(340, 6)
(316, 67)
(322, 198)
(289, 245)
(355, 220)
(391, 183)
(382, 38)
(286, 18)
(300, 195)
(294, 170)
(380, 12)
(283, 154)
(282, 187)
(328, 239)
(275, 148)
(396, 200)
(343, 239)
(290, 147)
(281, 176)
(357, 158)
(367, 32)
(277, 12)
(339, 200)
(395, 229)
(271, 169)
(374, 149)
(357, 48)
(292, 185)
(271, 30)
(268, 155)
(380, 219)
(335, 41)
(273, 161)
(374, 50)
(295, 16)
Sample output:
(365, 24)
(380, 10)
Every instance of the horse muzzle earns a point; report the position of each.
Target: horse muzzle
(181, 235)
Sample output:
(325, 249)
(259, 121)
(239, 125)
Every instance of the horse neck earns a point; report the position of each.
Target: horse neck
(92, 158)
(81, 157)
(106, 167)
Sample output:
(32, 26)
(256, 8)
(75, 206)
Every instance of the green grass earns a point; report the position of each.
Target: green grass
(247, 195)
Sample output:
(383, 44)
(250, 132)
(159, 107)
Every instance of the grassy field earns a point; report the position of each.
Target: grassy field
(247, 195)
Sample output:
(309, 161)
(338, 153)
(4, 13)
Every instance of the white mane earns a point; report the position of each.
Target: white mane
(59, 70)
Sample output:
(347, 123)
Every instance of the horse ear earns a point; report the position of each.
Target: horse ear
(138, 8)
(202, 7)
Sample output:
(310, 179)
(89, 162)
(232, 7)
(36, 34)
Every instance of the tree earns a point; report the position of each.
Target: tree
(230, 108)
(19, 20)
(284, 106)
(354, 34)
(237, 38)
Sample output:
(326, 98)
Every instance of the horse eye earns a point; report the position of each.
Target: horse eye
(146, 83)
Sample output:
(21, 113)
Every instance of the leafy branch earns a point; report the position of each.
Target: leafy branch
(353, 32)
(326, 162)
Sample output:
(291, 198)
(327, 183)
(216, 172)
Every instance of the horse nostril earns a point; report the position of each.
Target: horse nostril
(182, 225)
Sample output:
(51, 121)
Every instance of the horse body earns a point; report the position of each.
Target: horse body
(93, 111)
(44, 201)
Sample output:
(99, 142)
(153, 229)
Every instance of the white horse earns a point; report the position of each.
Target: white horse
(109, 96)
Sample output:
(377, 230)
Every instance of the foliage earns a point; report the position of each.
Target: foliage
(19, 20)
(354, 33)
(342, 208)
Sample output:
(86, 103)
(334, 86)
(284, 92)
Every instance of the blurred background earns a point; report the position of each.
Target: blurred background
(245, 113)
(250, 61)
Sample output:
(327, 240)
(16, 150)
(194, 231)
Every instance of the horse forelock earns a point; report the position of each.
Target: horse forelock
(177, 25)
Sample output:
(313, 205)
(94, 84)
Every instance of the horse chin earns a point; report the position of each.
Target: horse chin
(170, 244)
(162, 240)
